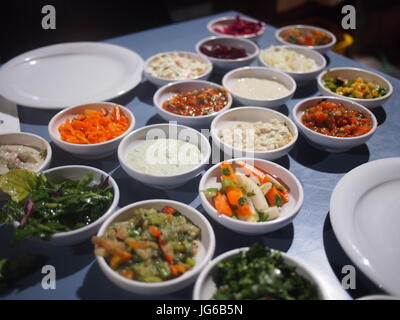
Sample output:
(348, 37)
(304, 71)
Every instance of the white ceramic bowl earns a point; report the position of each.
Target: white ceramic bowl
(300, 77)
(249, 46)
(352, 73)
(322, 49)
(204, 254)
(288, 211)
(165, 131)
(30, 140)
(169, 90)
(87, 151)
(329, 143)
(263, 73)
(251, 114)
(76, 172)
(158, 81)
(225, 21)
(205, 287)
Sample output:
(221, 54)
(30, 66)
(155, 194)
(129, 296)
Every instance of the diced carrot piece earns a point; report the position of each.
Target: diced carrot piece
(221, 204)
(235, 197)
(140, 245)
(227, 172)
(115, 261)
(155, 232)
(274, 197)
(173, 270)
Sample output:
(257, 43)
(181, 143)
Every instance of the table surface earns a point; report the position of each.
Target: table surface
(310, 236)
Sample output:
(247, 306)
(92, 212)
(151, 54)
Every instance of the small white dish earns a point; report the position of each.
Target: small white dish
(322, 48)
(159, 81)
(225, 21)
(251, 114)
(330, 143)
(76, 172)
(300, 77)
(241, 43)
(364, 216)
(353, 73)
(67, 74)
(204, 255)
(168, 91)
(262, 73)
(205, 286)
(164, 131)
(288, 212)
(88, 151)
(30, 140)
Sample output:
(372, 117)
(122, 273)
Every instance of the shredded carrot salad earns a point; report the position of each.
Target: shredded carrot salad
(93, 126)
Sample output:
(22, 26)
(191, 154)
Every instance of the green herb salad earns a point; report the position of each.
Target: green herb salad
(260, 274)
(42, 208)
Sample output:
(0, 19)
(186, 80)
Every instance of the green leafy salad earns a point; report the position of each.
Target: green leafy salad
(42, 207)
(260, 273)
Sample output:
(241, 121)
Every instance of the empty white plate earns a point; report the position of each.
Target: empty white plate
(365, 216)
(63, 75)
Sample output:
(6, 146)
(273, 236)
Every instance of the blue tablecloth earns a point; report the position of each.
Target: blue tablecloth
(309, 237)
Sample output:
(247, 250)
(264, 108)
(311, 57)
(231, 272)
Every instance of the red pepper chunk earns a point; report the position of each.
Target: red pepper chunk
(168, 210)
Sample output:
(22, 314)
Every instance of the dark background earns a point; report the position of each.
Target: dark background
(376, 39)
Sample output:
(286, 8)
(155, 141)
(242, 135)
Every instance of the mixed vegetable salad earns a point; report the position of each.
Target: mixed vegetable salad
(334, 119)
(306, 37)
(152, 246)
(260, 273)
(248, 193)
(42, 208)
(357, 88)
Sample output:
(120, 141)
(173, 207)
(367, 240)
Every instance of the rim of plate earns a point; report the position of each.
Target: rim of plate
(132, 81)
(344, 240)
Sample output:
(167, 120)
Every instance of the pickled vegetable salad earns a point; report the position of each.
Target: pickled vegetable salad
(152, 246)
(248, 193)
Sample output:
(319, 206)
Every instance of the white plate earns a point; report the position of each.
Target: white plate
(364, 212)
(62, 75)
